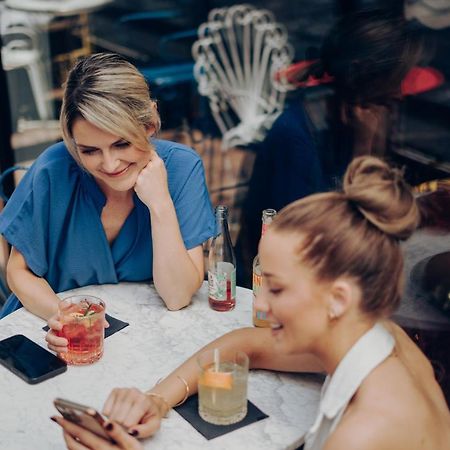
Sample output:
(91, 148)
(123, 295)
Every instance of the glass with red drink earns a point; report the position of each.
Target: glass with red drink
(82, 318)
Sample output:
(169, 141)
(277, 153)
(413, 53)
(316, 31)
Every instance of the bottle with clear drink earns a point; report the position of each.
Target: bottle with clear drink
(222, 266)
(259, 317)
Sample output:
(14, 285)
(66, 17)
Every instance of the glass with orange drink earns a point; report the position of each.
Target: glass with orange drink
(82, 318)
(222, 387)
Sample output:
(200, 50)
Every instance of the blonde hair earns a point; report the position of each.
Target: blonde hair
(109, 92)
(356, 232)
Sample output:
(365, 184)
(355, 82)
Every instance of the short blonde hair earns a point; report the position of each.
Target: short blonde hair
(110, 93)
(356, 233)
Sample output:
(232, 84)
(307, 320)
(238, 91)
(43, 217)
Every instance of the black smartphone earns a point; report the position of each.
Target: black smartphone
(84, 416)
(29, 360)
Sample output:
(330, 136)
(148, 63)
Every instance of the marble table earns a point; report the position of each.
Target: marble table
(155, 342)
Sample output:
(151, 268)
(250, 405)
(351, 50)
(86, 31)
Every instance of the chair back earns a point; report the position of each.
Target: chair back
(237, 54)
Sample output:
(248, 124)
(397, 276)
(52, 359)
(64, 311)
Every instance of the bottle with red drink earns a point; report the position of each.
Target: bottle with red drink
(222, 266)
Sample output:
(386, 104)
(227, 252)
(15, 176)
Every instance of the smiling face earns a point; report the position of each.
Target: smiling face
(295, 302)
(111, 160)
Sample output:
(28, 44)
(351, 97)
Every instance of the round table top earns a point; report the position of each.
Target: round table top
(155, 342)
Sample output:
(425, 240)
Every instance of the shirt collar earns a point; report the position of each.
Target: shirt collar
(369, 351)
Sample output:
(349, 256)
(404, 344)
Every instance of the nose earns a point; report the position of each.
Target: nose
(110, 163)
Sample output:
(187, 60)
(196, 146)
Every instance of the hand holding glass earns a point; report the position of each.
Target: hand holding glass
(82, 318)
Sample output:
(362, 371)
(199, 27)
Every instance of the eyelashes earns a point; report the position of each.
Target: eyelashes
(118, 145)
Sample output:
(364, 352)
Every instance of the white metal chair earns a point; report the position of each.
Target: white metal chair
(237, 54)
(21, 51)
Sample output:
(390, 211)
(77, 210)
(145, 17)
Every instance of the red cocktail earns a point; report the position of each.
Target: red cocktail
(83, 318)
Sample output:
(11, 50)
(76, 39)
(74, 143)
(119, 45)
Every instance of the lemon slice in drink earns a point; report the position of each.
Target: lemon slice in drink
(221, 380)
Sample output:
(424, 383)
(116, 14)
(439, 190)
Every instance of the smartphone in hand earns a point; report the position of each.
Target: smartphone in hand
(84, 416)
(29, 360)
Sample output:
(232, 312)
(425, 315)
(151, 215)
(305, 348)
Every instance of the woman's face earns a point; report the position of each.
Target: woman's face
(111, 160)
(295, 302)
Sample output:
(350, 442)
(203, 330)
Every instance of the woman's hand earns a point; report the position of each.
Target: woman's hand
(151, 183)
(140, 414)
(78, 438)
(54, 342)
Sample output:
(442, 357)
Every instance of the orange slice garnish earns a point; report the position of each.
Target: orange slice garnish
(221, 380)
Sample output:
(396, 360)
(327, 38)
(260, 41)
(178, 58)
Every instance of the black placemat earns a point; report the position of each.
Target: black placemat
(115, 325)
(189, 411)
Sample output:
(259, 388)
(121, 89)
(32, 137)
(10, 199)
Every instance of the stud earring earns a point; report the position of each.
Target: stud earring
(332, 314)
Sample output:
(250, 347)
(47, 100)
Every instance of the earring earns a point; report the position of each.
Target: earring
(332, 314)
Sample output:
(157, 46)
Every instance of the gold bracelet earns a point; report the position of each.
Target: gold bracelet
(186, 395)
(155, 394)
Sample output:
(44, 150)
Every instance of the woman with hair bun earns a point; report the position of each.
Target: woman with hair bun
(332, 276)
(111, 203)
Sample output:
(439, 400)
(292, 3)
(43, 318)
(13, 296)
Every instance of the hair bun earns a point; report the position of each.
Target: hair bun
(382, 196)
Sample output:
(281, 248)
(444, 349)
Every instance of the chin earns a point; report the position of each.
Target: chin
(120, 185)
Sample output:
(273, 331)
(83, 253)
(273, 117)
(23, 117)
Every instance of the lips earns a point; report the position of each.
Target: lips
(276, 327)
(117, 174)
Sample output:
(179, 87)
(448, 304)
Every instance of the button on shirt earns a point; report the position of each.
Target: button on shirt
(367, 353)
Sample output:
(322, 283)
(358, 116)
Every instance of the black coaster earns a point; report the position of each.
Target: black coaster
(115, 325)
(189, 411)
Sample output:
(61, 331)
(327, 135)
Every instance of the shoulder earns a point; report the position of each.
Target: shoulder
(293, 118)
(364, 432)
(386, 415)
(173, 152)
(54, 161)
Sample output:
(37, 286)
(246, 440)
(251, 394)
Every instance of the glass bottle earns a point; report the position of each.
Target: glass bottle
(259, 317)
(222, 266)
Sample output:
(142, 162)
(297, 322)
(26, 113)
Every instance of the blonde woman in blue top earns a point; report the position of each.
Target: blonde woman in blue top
(109, 204)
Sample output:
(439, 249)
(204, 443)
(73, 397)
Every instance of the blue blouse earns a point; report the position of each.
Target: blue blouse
(53, 220)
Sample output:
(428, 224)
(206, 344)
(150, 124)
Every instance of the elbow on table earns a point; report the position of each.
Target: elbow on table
(176, 299)
(175, 304)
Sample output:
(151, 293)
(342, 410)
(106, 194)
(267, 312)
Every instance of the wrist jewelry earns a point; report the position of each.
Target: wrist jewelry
(155, 394)
(186, 394)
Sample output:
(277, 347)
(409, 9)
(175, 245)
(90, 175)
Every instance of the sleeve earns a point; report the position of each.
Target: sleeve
(191, 198)
(293, 165)
(24, 220)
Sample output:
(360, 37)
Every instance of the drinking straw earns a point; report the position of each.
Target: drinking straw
(216, 357)
(216, 360)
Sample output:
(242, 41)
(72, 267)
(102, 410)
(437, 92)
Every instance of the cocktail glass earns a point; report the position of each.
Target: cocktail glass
(82, 317)
(222, 387)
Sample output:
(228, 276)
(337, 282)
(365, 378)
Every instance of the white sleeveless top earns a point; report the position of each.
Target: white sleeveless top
(367, 353)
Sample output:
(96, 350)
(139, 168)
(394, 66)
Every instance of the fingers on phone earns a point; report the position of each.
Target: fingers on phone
(147, 428)
(126, 408)
(78, 438)
(125, 440)
(72, 443)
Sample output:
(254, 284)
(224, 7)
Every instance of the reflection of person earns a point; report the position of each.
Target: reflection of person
(109, 204)
(366, 55)
(332, 269)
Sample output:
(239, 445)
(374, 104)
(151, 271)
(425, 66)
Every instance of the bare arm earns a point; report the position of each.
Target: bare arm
(34, 292)
(177, 272)
(143, 413)
(255, 342)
